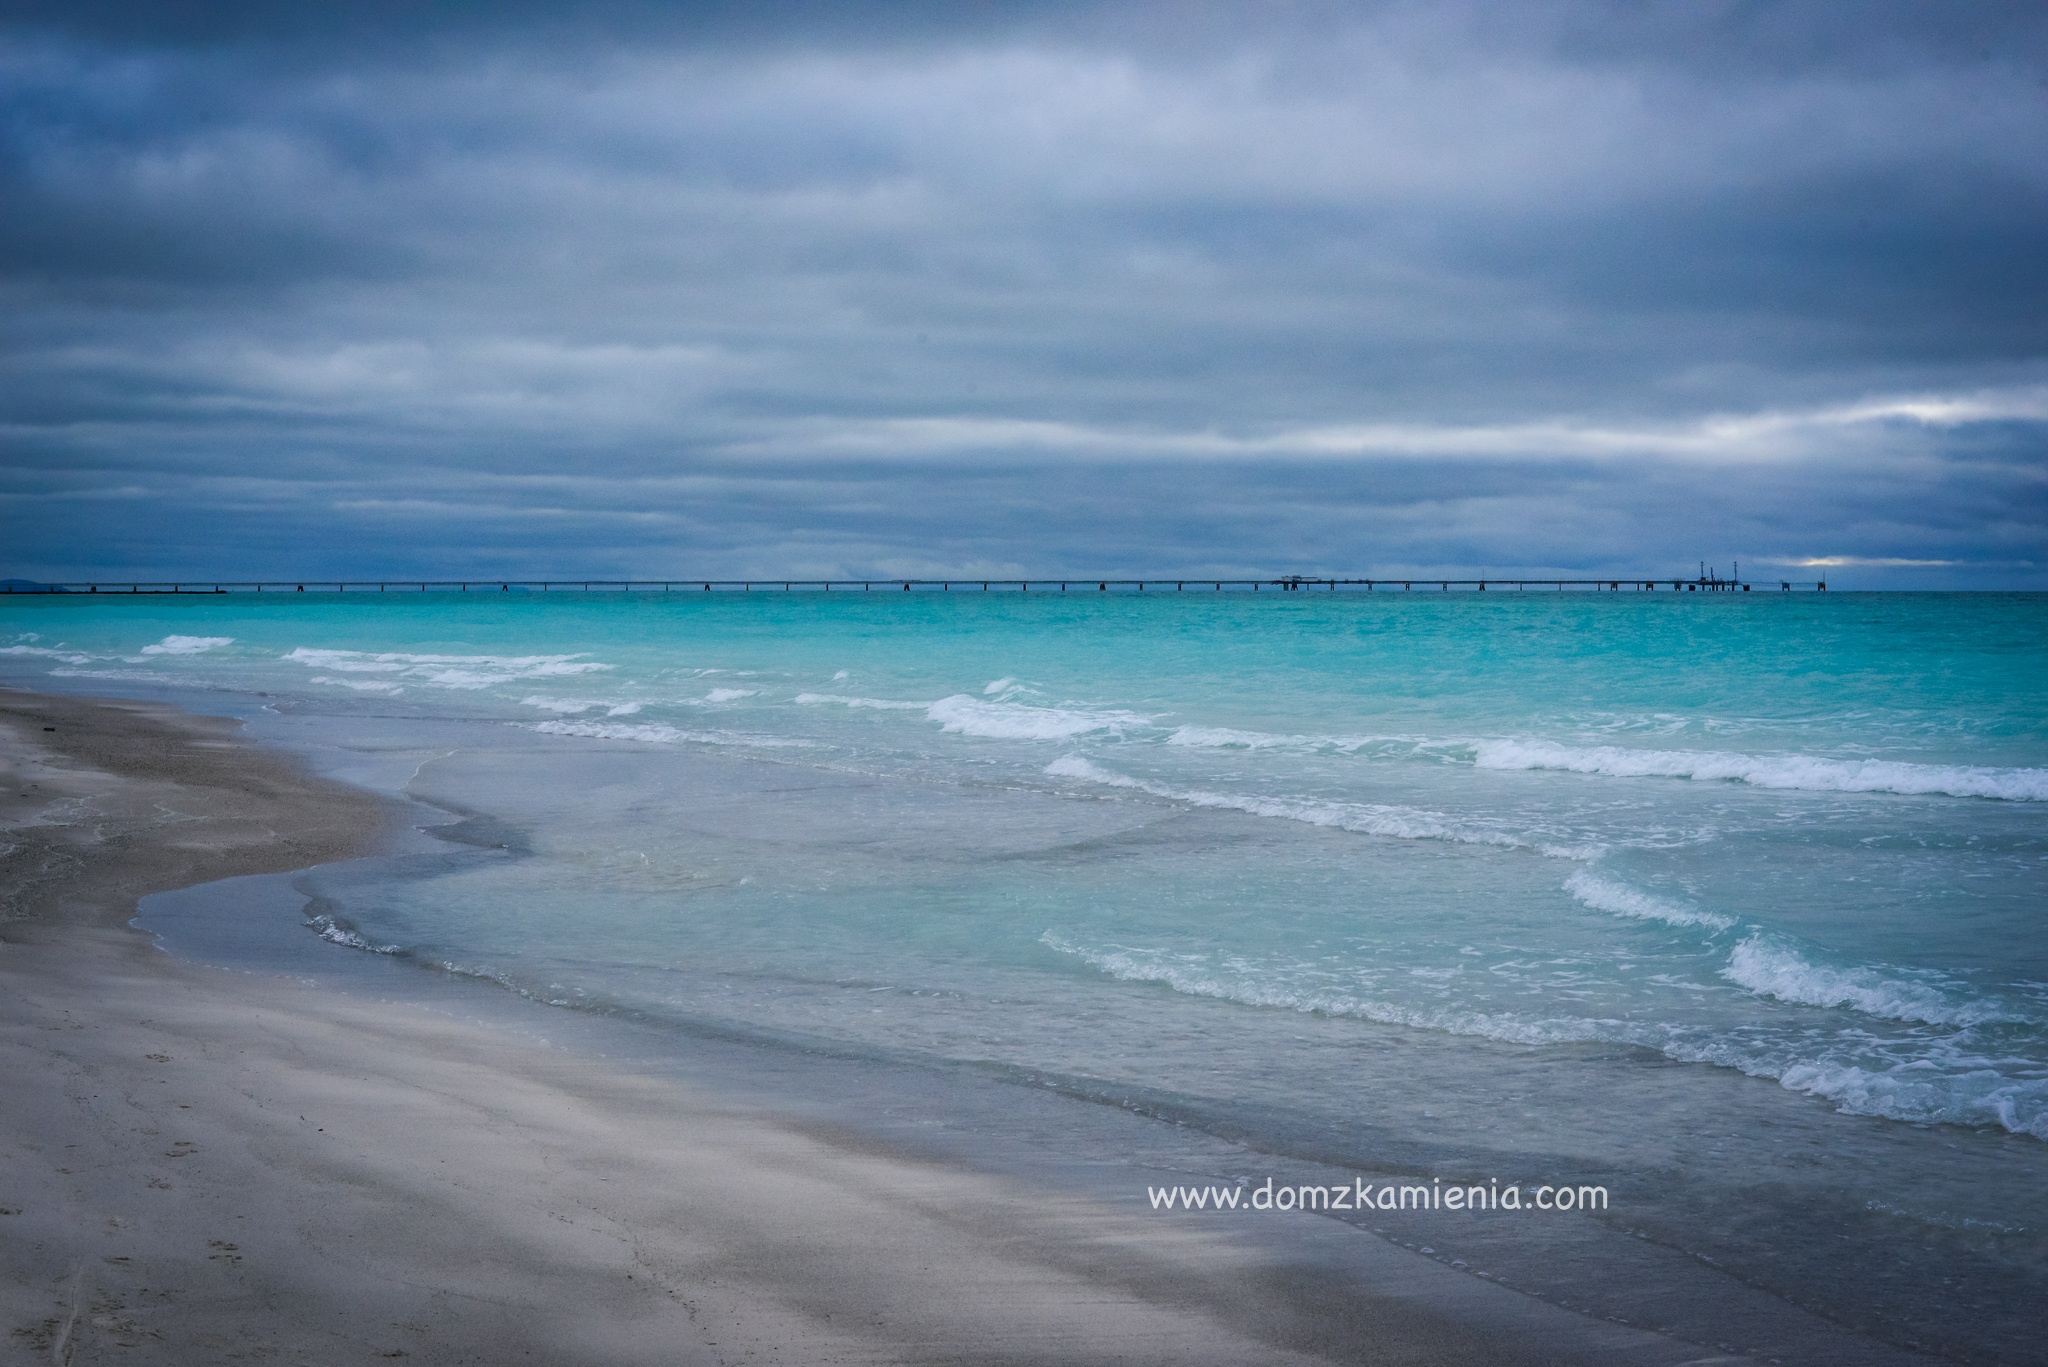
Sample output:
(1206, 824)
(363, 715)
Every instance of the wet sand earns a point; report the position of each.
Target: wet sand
(211, 1166)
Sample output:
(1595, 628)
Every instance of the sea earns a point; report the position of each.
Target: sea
(1733, 903)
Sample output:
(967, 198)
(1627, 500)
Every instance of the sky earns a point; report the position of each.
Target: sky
(784, 289)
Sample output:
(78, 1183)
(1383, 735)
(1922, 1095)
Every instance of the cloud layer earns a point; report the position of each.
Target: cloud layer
(1065, 290)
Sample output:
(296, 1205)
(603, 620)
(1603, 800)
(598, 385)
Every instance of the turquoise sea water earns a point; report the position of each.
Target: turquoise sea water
(1632, 884)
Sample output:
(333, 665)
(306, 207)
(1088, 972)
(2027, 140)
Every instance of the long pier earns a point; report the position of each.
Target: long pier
(1292, 583)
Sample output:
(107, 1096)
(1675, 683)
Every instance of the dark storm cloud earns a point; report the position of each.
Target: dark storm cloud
(810, 289)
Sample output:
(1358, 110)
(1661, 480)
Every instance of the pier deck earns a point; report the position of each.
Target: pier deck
(1282, 584)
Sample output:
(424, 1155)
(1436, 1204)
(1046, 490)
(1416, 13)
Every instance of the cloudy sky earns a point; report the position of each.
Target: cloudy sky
(779, 289)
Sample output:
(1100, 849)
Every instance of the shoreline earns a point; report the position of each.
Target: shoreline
(212, 1164)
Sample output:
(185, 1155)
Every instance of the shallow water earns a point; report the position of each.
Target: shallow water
(1733, 901)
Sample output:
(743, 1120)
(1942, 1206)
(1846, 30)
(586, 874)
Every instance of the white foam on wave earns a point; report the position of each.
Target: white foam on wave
(1604, 894)
(67, 656)
(133, 675)
(566, 706)
(1979, 1096)
(1402, 823)
(446, 671)
(969, 716)
(996, 686)
(1258, 985)
(659, 733)
(1940, 1083)
(362, 685)
(879, 704)
(1225, 738)
(337, 932)
(1228, 738)
(1943, 1083)
(187, 645)
(730, 694)
(1808, 772)
(1770, 966)
(574, 706)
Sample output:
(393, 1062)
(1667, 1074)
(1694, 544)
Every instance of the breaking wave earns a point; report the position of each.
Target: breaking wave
(1604, 894)
(969, 716)
(659, 733)
(187, 645)
(1940, 1081)
(70, 657)
(340, 932)
(574, 706)
(878, 704)
(1228, 738)
(1246, 984)
(362, 685)
(1770, 966)
(1404, 823)
(1807, 772)
(445, 671)
(1973, 1096)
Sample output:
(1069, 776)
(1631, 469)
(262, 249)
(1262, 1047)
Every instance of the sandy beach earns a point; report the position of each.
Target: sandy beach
(212, 1166)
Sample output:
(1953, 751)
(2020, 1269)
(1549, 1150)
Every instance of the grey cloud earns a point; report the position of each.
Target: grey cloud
(320, 283)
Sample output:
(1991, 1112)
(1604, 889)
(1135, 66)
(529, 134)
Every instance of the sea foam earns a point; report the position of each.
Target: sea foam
(971, 716)
(574, 706)
(876, 704)
(1267, 985)
(1968, 1096)
(445, 671)
(1229, 738)
(132, 675)
(1402, 823)
(361, 685)
(1942, 1086)
(336, 931)
(187, 645)
(1808, 772)
(659, 733)
(1771, 966)
(67, 656)
(1604, 894)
